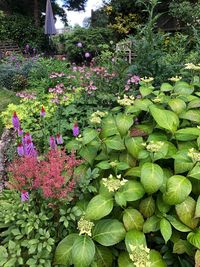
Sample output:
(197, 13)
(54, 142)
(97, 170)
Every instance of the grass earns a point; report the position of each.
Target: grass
(6, 97)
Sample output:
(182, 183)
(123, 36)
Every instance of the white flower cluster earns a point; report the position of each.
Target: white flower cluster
(175, 79)
(85, 226)
(140, 256)
(126, 101)
(154, 146)
(147, 79)
(112, 183)
(194, 155)
(97, 116)
(191, 66)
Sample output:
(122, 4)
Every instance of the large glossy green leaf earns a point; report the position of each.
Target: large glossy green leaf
(133, 219)
(124, 260)
(146, 90)
(195, 172)
(156, 259)
(197, 208)
(134, 238)
(177, 105)
(182, 162)
(178, 189)
(191, 115)
(161, 205)
(124, 123)
(186, 212)
(132, 190)
(183, 88)
(109, 232)
(134, 172)
(134, 145)
(151, 177)
(64, 249)
(165, 229)
(89, 135)
(183, 246)
(194, 104)
(142, 104)
(194, 238)
(83, 251)
(88, 153)
(187, 134)
(177, 224)
(165, 118)
(109, 127)
(115, 143)
(147, 207)
(98, 207)
(152, 224)
(166, 87)
(103, 257)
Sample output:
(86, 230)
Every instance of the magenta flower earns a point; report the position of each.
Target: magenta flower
(15, 121)
(20, 131)
(80, 44)
(29, 149)
(20, 150)
(135, 79)
(42, 112)
(75, 129)
(24, 196)
(27, 137)
(52, 142)
(87, 55)
(59, 139)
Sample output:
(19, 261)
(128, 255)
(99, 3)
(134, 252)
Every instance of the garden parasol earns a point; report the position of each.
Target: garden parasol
(49, 20)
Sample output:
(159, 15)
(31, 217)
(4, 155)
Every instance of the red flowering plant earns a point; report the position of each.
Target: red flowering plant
(52, 177)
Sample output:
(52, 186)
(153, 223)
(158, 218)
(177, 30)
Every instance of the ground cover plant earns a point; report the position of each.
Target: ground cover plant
(120, 197)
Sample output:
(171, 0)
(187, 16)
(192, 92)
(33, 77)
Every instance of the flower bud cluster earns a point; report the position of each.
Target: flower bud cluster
(85, 226)
(194, 155)
(140, 256)
(175, 79)
(126, 101)
(97, 116)
(147, 79)
(154, 146)
(113, 183)
(191, 66)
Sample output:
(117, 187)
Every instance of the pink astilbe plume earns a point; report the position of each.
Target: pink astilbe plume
(53, 176)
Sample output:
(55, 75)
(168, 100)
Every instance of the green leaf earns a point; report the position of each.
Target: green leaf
(133, 219)
(191, 115)
(83, 251)
(124, 123)
(134, 172)
(109, 127)
(108, 232)
(161, 205)
(104, 165)
(183, 246)
(177, 105)
(197, 258)
(183, 88)
(144, 90)
(195, 172)
(151, 177)
(166, 87)
(194, 104)
(134, 145)
(177, 224)
(124, 260)
(147, 207)
(164, 118)
(89, 135)
(88, 153)
(187, 134)
(178, 189)
(194, 239)
(186, 211)
(165, 229)
(115, 143)
(134, 238)
(64, 249)
(142, 104)
(120, 199)
(3, 255)
(73, 145)
(156, 259)
(152, 224)
(132, 190)
(103, 257)
(98, 207)
(197, 208)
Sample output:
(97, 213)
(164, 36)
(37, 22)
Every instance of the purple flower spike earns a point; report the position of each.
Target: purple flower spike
(42, 112)
(29, 149)
(59, 139)
(52, 142)
(15, 121)
(20, 131)
(75, 129)
(24, 196)
(20, 150)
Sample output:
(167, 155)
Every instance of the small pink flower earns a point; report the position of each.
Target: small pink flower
(42, 112)
(87, 55)
(59, 139)
(52, 143)
(79, 44)
(24, 196)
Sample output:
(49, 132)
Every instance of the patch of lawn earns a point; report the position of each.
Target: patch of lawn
(6, 97)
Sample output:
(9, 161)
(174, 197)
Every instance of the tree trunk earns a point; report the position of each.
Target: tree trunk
(36, 13)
